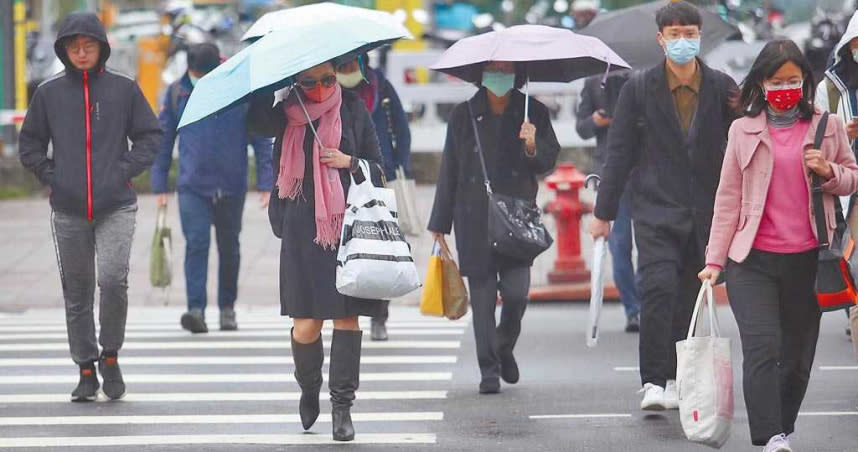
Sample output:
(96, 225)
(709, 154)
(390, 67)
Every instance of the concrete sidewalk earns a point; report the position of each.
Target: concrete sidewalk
(28, 268)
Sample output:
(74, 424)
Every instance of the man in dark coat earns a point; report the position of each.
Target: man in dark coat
(89, 113)
(670, 127)
(594, 119)
(212, 187)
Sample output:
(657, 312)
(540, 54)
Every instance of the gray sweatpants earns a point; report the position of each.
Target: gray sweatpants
(78, 242)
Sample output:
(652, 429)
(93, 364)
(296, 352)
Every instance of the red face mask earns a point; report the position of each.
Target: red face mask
(784, 99)
(319, 93)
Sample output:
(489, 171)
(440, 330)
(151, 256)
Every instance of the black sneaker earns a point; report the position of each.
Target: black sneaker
(111, 375)
(227, 320)
(195, 321)
(633, 324)
(87, 386)
(490, 386)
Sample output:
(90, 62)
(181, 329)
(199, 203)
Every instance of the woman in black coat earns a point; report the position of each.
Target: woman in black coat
(306, 212)
(516, 152)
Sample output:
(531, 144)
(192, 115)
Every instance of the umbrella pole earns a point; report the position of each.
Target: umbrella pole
(309, 120)
(527, 100)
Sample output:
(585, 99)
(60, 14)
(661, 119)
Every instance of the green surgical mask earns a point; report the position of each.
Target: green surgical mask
(498, 83)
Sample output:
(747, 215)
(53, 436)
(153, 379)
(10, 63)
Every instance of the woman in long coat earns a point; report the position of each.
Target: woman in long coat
(313, 168)
(516, 152)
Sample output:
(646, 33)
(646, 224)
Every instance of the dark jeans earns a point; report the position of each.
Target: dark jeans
(621, 244)
(513, 285)
(774, 302)
(198, 214)
(667, 285)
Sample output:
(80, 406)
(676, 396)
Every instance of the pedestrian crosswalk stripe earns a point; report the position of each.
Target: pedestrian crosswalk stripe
(836, 368)
(24, 325)
(225, 360)
(627, 369)
(17, 328)
(581, 416)
(242, 418)
(178, 334)
(221, 378)
(160, 440)
(828, 413)
(167, 397)
(222, 345)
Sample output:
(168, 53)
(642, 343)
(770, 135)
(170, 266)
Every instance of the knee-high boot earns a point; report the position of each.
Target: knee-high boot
(308, 373)
(344, 380)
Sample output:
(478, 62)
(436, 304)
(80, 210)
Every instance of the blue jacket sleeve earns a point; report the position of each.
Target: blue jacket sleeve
(262, 149)
(161, 168)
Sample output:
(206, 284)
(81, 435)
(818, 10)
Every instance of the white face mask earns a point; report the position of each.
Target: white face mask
(350, 80)
(193, 79)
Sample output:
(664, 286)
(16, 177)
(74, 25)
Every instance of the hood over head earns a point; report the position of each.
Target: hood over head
(86, 24)
(842, 49)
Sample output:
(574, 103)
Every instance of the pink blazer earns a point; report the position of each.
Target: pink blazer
(745, 177)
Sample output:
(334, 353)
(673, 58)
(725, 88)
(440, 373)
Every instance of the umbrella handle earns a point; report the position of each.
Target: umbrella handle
(527, 100)
(309, 121)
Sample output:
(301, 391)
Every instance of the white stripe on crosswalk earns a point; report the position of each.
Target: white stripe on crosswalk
(828, 413)
(225, 360)
(223, 345)
(221, 378)
(579, 416)
(241, 418)
(838, 368)
(176, 334)
(18, 328)
(160, 440)
(59, 321)
(166, 397)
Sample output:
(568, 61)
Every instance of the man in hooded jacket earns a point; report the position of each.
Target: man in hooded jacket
(88, 113)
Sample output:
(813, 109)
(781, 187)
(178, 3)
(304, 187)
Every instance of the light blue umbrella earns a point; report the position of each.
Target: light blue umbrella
(320, 13)
(275, 58)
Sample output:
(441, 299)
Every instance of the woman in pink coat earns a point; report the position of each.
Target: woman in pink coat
(764, 234)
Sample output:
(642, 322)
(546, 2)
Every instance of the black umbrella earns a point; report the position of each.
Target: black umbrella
(631, 32)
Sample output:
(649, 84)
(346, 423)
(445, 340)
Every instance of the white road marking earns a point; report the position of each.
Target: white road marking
(166, 397)
(281, 440)
(176, 334)
(838, 368)
(213, 419)
(828, 413)
(581, 416)
(224, 345)
(221, 378)
(243, 324)
(627, 369)
(224, 360)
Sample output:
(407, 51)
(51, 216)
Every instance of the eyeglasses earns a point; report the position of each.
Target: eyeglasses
(777, 85)
(88, 48)
(673, 35)
(308, 83)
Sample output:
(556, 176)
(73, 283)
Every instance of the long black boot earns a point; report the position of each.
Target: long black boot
(343, 381)
(308, 360)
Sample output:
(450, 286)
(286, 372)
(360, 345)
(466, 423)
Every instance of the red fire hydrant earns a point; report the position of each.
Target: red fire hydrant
(567, 210)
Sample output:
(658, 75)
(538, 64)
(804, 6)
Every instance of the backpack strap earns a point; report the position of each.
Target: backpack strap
(816, 190)
(833, 96)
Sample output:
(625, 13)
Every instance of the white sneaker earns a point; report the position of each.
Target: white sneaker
(653, 398)
(778, 443)
(671, 396)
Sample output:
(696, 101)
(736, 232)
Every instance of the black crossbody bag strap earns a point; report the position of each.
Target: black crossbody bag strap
(816, 191)
(480, 150)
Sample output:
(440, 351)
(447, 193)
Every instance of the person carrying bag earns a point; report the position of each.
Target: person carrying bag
(444, 294)
(765, 234)
(161, 260)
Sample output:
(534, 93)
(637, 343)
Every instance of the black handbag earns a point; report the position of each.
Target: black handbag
(838, 262)
(515, 225)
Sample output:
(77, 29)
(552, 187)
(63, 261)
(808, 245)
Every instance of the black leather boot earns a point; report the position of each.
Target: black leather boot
(343, 381)
(308, 360)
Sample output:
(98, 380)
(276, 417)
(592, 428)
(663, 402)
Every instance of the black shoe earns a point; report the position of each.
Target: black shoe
(343, 381)
(195, 321)
(378, 330)
(308, 360)
(227, 320)
(490, 386)
(87, 386)
(633, 324)
(509, 368)
(111, 375)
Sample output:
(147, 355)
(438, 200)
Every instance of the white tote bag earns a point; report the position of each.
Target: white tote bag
(374, 260)
(704, 379)
(406, 201)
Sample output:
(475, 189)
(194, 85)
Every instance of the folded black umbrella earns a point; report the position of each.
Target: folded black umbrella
(631, 33)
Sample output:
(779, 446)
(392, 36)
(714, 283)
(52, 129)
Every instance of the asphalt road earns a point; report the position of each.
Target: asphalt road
(418, 391)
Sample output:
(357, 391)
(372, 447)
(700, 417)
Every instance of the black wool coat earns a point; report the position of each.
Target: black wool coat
(460, 198)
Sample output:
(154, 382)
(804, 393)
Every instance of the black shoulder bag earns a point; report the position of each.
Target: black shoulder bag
(515, 224)
(837, 265)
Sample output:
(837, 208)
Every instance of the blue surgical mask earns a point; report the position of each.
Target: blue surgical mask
(855, 55)
(682, 51)
(498, 83)
(193, 79)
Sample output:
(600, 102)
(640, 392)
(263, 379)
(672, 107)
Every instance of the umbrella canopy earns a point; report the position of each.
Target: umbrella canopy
(320, 13)
(631, 32)
(551, 54)
(276, 57)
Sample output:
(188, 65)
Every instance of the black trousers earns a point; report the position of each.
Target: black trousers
(774, 302)
(514, 285)
(383, 311)
(667, 287)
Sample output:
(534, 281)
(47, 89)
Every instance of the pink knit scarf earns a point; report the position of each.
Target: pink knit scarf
(330, 201)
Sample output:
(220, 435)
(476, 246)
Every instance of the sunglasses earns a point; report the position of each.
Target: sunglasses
(309, 84)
